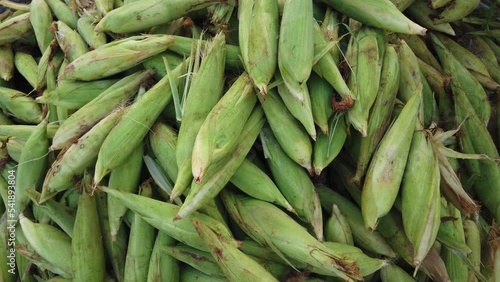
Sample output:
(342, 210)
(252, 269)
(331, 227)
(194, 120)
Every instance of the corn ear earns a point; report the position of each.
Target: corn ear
(27, 67)
(372, 241)
(63, 12)
(421, 13)
(287, 128)
(50, 243)
(88, 263)
(250, 179)
(382, 14)
(162, 266)
(296, 46)
(383, 107)
(160, 215)
(392, 272)
(207, 86)
(220, 173)
(302, 111)
(462, 80)
(124, 178)
(141, 15)
(32, 166)
(20, 105)
(327, 147)
(201, 260)
(258, 39)
(337, 228)
(141, 242)
(135, 123)
(115, 57)
(219, 133)
(236, 265)
(456, 10)
(421, 196)
(15, 28)
(321, 94)
(87, 116)
(69, 40)
(293, 182)
(80, 155)
(272, 228)
(386, 169)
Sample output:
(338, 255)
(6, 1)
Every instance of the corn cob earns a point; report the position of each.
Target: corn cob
(192, 274)
(473, 240)
(250, 179)
(162, 266)
(386, 169)
(480, 141)
(138, 119)
(88, 262)
(69, 40)
(327, 147)
(27, 67)
(141, 15)
(80, 155)
(456, 10)
(160, 215)
(86, 28)
(480, 48)
(211, 75)
(63, 12)
(236, 265)
(296, 46)
(87, 116)
(124, 178)
(420, 12)
(491, 258)
(464, 56)
(140, 244)
(383, 106)
(220, 173)
(201, 260)
(15, 28)
(372, 241)
(50, 243)
(104, 6)
(183, 45)
(364, 60)
(337, 228)
(268, 225)
(285, 128)
(23, 132)
(20, 105)
(326, 67)
(321, 94)
(62, 215)
(421, 201)
(32, 165)
(381, 13)
(367, 265)
(115, 248)
(73, 95)
(302, 111)
(293, 182)
(258, 40)
(392, 272)
(421, 50)
(219, 133)
(115, 57)
(462, 80)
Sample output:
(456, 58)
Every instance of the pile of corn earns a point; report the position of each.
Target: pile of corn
(251, 140)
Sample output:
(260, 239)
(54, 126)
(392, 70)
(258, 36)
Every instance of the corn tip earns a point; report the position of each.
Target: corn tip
(318, 171)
